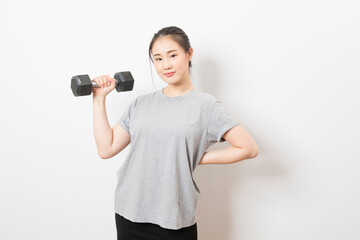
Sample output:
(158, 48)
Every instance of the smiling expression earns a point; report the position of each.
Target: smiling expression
(170, 60)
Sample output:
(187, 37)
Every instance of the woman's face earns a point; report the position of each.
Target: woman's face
(170, 57)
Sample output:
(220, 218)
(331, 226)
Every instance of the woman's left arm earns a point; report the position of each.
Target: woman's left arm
(243, 147)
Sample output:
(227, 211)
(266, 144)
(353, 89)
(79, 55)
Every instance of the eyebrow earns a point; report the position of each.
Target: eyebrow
(167, 52)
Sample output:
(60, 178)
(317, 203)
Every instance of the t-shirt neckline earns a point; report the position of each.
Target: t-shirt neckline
(176, 98)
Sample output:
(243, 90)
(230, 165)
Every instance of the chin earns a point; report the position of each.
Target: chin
(169, 80)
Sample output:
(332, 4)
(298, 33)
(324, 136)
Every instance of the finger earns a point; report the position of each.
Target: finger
(101, 82)
(96, 80)
(105, 81)
(109, 80)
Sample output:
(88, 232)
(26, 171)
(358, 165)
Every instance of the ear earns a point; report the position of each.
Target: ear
(190, 53)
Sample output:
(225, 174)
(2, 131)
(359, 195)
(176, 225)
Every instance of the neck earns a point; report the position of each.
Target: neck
(173, 90)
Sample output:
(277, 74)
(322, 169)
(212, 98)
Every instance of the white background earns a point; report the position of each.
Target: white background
(288, 70)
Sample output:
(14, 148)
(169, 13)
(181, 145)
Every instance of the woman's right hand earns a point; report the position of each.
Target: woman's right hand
(106, 83)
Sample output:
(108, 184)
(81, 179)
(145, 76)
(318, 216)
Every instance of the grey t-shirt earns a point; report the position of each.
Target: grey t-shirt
(169, 136)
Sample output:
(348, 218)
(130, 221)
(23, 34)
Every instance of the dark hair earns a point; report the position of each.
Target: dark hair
(175, 33)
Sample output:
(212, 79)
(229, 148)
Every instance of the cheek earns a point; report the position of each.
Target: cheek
(181, 66)
(181, 63)
(157, 67)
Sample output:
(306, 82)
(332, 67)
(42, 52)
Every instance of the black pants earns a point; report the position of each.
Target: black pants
(128, 230)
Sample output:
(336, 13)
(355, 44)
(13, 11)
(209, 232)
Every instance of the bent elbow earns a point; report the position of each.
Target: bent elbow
(253, 152)
(103, 156)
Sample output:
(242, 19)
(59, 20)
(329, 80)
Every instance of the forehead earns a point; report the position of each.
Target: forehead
(164, 44)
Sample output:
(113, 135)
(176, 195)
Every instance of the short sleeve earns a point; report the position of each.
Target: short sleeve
(127, 116)
(220, 121)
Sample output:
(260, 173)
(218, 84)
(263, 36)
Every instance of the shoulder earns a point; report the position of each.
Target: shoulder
(203, 97)
(143, 98)
(206, 99)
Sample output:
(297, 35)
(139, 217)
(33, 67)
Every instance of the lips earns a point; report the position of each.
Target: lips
(169, 74)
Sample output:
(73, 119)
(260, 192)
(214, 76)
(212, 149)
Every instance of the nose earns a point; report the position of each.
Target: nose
(167, 64)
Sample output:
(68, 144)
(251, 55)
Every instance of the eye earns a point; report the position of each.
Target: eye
(171, 56)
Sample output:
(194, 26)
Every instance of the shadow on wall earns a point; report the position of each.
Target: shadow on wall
(220, 202)
(208, 76)
(221, 199)
(213, 211)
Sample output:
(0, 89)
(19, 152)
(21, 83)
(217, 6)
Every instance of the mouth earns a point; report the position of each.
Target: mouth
(169, 74)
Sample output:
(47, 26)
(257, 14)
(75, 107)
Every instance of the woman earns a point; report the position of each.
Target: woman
(169, 131)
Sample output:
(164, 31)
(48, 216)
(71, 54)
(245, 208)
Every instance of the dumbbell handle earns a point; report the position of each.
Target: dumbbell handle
(95, 85)
(82, 85)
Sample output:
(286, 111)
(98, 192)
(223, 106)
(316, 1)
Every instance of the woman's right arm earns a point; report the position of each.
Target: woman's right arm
(109, 141)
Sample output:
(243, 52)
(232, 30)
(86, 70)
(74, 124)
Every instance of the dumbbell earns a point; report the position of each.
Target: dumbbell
(82, 85)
